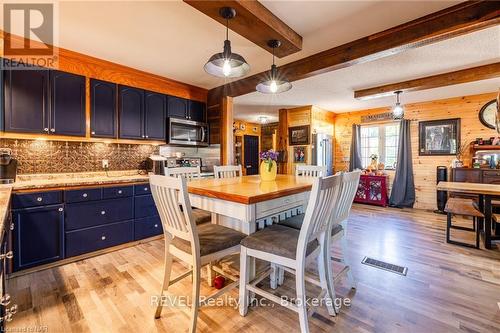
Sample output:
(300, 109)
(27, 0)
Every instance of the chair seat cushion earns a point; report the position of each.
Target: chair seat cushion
(213, 238)
(201, 216)
(296, 223)
(278, 240)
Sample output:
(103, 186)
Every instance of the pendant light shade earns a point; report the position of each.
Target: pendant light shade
(398, 112)
(226, 63)
(274, 84)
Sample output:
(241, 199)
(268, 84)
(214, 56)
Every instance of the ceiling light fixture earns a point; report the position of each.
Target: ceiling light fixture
(263, 119)
(274, 84)
(227, 64)
(398, 112)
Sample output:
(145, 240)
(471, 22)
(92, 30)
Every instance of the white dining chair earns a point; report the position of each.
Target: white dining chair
(228, 171)
(310, 170)
(194, 245)
(293, 249)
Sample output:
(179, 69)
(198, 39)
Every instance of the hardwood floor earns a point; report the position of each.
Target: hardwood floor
(447, 289)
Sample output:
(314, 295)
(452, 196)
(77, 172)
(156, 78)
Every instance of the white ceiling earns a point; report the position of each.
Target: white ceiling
(334, 91)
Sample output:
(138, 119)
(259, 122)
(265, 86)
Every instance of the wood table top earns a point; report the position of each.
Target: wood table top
(471, 188)
(250, 189)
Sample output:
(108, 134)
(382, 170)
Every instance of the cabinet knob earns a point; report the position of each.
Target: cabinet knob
(147, 136)
(12, 226)
(143, 136)
(103, 238)
(52, 130)
(156, 225)
(85, 195)
(45, 129)
(120, 191)
(93, 132)
(103, 212)
(39, 199)
(60, 209)
(146, 189)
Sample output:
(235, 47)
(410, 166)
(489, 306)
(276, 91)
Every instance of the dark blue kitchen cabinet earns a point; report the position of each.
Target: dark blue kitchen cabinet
(177, 107)
(26, 101)
(131, 112)
(147, 227)
(67, 116)
(144, 206)
(155, 110)
(197, 111)
(103, 112)
(38, 236)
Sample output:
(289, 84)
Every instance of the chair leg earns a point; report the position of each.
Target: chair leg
(345, 260)
(166, 276)
(476, 224)
(244, 279)
(281, 275)
(301, 298)
(448, 227)
(210, 275)
(273, 278)
(322, 260)
(195, 301)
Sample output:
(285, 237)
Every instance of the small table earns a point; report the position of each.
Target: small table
(485, 193)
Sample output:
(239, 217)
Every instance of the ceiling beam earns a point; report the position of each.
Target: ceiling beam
(435, 81)
(454, 21)
(254, 22)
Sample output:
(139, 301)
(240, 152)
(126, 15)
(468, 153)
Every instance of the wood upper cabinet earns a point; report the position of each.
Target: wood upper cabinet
(27, 107)
(197, 111)
(155, 109)
(177, 107)
(131, 112)
(26, 101)
(102, 109)
(67, 116)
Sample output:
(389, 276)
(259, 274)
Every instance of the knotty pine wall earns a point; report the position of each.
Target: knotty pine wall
(424, 167)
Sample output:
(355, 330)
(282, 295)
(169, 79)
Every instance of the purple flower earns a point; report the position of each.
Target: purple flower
(268, 157)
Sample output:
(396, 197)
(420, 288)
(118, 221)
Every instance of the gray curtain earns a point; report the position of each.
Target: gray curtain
(403, 187)
(355, 159)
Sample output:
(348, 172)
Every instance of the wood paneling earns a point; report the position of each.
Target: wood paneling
(424, 167)
(254, 22)
(457, 20)
(441, 80)
(227, 139)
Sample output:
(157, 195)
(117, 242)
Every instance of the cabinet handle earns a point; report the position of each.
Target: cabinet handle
(147, 136)
(103, 212)
(45, 129)
(120, 191)
(60, 209)
(93, 132)
(146, 189)
(156, 225)
(84, 195)
(5, 300)
(8, 255)
(143, 136)
(39, 199)
(12, 226)
(103, 238)
(52, 130)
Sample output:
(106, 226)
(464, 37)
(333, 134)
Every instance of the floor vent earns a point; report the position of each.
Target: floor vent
(385, 266)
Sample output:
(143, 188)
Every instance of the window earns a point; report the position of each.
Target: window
(381, 140)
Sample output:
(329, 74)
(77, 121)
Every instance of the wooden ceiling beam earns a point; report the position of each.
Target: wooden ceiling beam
(479, 73)
(254, 22)
(454, 21)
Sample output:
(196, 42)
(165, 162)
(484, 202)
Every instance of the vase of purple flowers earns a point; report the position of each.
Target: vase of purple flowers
(268, 166)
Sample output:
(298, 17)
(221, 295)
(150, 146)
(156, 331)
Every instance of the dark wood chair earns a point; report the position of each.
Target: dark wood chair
(464, 207)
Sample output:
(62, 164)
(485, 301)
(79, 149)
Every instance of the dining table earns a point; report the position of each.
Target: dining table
(485, 193)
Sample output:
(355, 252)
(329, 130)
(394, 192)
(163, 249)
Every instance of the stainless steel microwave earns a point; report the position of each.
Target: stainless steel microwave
(187, 132)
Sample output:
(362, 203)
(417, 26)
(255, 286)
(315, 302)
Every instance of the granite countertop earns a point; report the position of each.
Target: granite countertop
(40, 181)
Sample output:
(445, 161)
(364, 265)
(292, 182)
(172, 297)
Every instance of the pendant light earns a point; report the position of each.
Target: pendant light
(398, 112)
(227, 64)
(274, 84)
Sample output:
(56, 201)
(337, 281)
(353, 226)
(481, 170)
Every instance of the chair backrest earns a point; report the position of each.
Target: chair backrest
(170, 194)
(227, 171)
(350, 182)
(323, 201)
(189, 173)
(310, 170)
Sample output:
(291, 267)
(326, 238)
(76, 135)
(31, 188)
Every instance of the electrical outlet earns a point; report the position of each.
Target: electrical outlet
(105, 164)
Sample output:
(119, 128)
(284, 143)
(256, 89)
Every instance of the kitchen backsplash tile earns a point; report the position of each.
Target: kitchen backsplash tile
(41, 156)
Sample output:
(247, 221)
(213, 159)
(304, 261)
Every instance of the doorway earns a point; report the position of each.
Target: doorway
(251, 154)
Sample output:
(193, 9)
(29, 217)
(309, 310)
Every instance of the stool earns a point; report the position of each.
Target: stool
(465, 207)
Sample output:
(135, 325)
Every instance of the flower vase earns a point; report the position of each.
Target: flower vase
(267, 175)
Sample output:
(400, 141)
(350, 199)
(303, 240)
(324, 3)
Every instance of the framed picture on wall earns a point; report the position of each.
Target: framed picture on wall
(439, 137)
(298, 135)
(299, 154)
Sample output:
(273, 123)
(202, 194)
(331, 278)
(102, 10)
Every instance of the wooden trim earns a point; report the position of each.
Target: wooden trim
(227, 142)
(454, 21)
(254, 22)
(485, 72)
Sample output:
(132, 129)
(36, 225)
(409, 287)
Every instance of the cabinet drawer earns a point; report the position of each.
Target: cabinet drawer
(274, 206)
(142, 189)
(147, 227)
(25, 200)
(88, 214)
(117, 192)
(97, 238)
(89, 194)
(144, 206)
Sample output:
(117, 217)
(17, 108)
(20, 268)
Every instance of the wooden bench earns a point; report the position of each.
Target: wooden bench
(464, 207)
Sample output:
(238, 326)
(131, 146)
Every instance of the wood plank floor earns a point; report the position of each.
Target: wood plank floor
(447, 289)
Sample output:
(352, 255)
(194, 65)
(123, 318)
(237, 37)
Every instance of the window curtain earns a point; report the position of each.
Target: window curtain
(403, 187)
(355, 158)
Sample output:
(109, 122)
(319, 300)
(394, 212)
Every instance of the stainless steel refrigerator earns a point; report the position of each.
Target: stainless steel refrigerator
(322, 152)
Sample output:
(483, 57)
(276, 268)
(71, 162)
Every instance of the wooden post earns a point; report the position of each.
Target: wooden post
(227, 139)
(282, 145)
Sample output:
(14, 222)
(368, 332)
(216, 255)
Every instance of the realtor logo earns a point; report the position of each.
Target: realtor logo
(29, 41)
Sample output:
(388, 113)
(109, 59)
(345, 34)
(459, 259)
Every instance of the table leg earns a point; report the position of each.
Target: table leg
(487, 221)
(481, 208)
